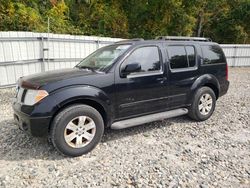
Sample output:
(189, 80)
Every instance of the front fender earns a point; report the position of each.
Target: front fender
(58, 98)
(206, 79)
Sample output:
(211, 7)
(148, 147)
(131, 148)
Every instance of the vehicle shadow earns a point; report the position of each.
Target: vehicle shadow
(15, 145)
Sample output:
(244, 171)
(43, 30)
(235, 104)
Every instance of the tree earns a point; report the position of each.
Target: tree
(59, 18)
(225, 21)
(17, 16)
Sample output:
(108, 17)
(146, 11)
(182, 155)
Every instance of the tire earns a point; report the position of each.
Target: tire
(77, 130)
(196, 110)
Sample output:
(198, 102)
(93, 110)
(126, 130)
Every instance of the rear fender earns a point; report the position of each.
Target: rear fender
(201, 81)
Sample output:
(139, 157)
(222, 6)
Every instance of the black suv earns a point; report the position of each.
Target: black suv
(125, 84)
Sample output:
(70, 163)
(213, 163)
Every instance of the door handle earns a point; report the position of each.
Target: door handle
(161, 79)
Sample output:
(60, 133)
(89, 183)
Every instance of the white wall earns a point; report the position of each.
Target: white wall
(238, 55)
(24, 53)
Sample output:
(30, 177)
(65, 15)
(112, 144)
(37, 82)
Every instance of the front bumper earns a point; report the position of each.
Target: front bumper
(36, 126)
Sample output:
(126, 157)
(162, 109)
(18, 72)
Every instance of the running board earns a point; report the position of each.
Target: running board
(148, 118)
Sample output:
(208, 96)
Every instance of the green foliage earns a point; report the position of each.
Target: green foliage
(102, 19)
(225, 21)
(17, 16)
(59, 18)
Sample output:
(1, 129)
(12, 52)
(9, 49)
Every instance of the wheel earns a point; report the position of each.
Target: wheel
(77, 130)
(203, 105)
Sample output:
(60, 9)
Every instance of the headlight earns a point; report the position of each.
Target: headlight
(34, 96)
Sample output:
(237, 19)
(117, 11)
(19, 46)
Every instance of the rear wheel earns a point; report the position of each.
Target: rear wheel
(203, 105)
(77, 130)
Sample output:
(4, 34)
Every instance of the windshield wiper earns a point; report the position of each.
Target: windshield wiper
(86, 67)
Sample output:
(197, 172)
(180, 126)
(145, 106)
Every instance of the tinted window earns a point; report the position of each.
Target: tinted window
(148, 57)
(178, 57)
(212, 54)
(104, 57)
(191, 55)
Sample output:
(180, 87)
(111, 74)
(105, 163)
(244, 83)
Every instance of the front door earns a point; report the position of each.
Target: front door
(143, 91)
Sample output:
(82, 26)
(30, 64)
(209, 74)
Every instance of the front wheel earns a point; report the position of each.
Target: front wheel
(203, 104)
(77, 130)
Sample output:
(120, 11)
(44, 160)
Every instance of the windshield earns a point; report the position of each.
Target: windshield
(103, 58)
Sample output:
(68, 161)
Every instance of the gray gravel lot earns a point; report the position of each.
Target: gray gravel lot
(177, 152)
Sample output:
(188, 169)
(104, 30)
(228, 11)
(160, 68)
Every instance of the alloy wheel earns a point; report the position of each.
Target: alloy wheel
(80, 131)
(205, 104)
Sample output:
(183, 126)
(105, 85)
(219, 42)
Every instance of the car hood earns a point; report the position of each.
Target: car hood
(36, 81)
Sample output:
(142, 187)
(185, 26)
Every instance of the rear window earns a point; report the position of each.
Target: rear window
(212, 54)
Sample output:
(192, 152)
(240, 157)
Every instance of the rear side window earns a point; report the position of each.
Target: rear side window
(212, 54)
(191, 55)
(181, 56)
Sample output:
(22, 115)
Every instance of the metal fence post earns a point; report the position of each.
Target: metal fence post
(97, 43)
(42, 53)
(235, 56)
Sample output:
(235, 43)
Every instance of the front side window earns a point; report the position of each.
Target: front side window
(181, 56)
(148, 58)
(212, 54)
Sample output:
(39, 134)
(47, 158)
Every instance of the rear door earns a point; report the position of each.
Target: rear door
(183, 71)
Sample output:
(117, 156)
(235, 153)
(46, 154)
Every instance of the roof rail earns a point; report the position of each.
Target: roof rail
(130, 40)
(184, 38)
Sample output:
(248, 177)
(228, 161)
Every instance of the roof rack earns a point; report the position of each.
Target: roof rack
(184, 38)
(130, 40)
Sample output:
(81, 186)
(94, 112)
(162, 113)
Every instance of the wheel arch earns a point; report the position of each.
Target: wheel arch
(214, 88)
(90, 102)
(207, 80)
(90, 96)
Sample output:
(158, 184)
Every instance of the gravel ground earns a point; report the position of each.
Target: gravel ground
(176, 152)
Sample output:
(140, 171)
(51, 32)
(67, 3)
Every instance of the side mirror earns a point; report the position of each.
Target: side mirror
(206, 61)
(131, 68)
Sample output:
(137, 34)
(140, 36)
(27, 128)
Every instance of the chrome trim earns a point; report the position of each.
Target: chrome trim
(144, 74)
(148, 118)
